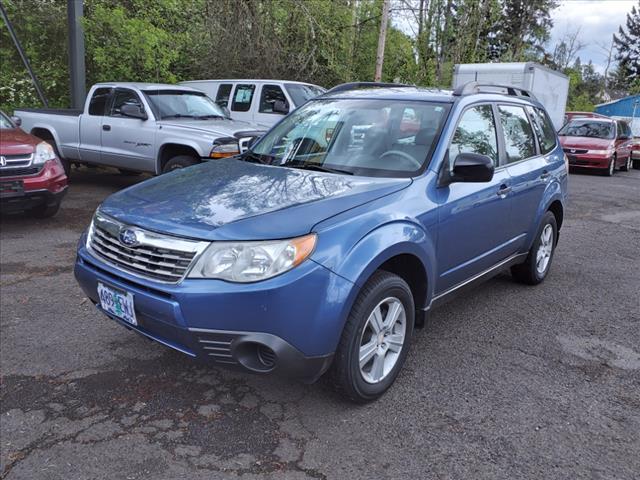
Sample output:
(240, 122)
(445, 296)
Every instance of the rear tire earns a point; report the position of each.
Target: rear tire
(374, 346)
(179, 161)
(46, 210)
(536, 267)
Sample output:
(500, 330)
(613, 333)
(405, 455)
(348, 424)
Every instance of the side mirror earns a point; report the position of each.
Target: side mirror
(472, 167)
(280, 106)
(133, 111)
(16, 120)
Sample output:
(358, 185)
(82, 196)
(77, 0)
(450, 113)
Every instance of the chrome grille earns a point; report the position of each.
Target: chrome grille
(243, 144)
(16, 161)
(154, 256)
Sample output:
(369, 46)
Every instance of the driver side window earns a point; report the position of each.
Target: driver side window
(122, 97)
(476, 133)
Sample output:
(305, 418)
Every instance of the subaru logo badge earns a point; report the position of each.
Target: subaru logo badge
(128, 237)
(3, 161)
(573, 150)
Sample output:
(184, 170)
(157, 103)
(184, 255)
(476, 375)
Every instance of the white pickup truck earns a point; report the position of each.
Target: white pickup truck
(141, 127)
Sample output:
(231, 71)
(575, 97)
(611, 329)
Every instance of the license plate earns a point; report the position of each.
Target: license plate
(12, 189)
(117, 303)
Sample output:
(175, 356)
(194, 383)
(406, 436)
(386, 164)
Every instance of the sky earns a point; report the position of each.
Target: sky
(598, 20)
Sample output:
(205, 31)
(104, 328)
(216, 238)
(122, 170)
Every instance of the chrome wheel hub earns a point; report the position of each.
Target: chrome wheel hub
(382, 340)
(543, 255)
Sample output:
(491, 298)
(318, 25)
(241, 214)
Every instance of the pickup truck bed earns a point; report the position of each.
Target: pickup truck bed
(71, 112)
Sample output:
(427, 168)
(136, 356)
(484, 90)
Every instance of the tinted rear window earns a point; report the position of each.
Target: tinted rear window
(544, 129)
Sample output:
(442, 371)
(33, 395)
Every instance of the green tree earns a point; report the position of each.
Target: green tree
(627, 43)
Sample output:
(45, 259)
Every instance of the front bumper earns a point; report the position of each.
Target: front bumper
(287, 325)
(586, 160)
(48, 187)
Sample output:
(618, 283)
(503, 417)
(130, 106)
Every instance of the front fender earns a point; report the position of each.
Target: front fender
(379, 245)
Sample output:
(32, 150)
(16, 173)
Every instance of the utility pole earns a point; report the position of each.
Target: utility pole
(76, 53)
(382, 39)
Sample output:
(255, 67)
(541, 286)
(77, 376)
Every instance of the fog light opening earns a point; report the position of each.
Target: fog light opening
(256, 356)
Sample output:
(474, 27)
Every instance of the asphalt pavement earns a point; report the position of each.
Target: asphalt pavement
(505, 382)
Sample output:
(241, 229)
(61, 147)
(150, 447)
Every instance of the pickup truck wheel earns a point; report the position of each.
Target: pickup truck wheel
(179, 161)
(375, 339)
(45, 210)
(535, 268)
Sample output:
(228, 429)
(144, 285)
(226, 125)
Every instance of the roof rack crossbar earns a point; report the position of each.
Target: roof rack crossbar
(344, 87)
(470, 88)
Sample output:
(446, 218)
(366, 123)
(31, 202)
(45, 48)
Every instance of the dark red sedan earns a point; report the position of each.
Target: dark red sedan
(31, 176)
(600, 143)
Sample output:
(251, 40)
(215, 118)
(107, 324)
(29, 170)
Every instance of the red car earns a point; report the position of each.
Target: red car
(31, 176)
(635, 152)
(568, 116)
(600, 143)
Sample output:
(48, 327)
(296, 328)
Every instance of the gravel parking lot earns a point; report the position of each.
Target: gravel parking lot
(506, 382)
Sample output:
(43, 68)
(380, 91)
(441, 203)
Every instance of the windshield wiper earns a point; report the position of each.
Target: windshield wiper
(253, 157)
(207, 117)
(317, 168)
(177, 115)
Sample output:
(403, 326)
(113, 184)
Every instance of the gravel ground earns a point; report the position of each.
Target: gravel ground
(506, 382)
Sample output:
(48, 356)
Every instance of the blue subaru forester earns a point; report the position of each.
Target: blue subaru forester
(325, 244)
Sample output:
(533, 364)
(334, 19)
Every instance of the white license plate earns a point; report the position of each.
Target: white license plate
(117, 303)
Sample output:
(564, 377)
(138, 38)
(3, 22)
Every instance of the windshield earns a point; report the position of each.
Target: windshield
(182, 103)
(301, 94)
(381, 138)
(588, 128)
(5, 122)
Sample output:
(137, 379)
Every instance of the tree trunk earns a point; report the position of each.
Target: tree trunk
(382, 39)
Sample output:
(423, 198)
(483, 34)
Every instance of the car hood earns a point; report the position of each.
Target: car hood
(221, 127)
(231, 199)
(14, 141)
(586, 142)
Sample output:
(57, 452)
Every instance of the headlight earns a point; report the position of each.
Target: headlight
(44, 152)
(252, 261)
(224, 147)
(601, 152)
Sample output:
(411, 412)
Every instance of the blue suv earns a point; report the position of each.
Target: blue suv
(327, 243)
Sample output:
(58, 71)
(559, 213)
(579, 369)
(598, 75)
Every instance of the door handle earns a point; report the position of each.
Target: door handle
(545, 175)
(106, 128)
(504, 189)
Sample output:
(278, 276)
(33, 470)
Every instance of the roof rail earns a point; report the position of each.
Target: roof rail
(343, 87)
(470, 88)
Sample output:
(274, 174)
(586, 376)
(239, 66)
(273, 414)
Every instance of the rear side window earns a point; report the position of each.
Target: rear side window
(224, 92)
(123, 97)
(519, 142)
(476, 133)
(99, 101)
(270, 94)
(242, 97)
(544, 129)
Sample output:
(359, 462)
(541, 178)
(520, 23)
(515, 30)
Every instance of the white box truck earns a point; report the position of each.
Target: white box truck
(549, 87)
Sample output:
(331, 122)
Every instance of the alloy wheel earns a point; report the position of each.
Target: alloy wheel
(543, 256)
(382, 340)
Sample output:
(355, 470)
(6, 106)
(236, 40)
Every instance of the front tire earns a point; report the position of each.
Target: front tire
(179, 161)
(628, 165)
(536, 267)
(376, 338)
(612, 167)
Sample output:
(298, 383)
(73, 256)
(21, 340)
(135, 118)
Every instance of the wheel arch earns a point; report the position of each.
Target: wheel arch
(170, 149)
